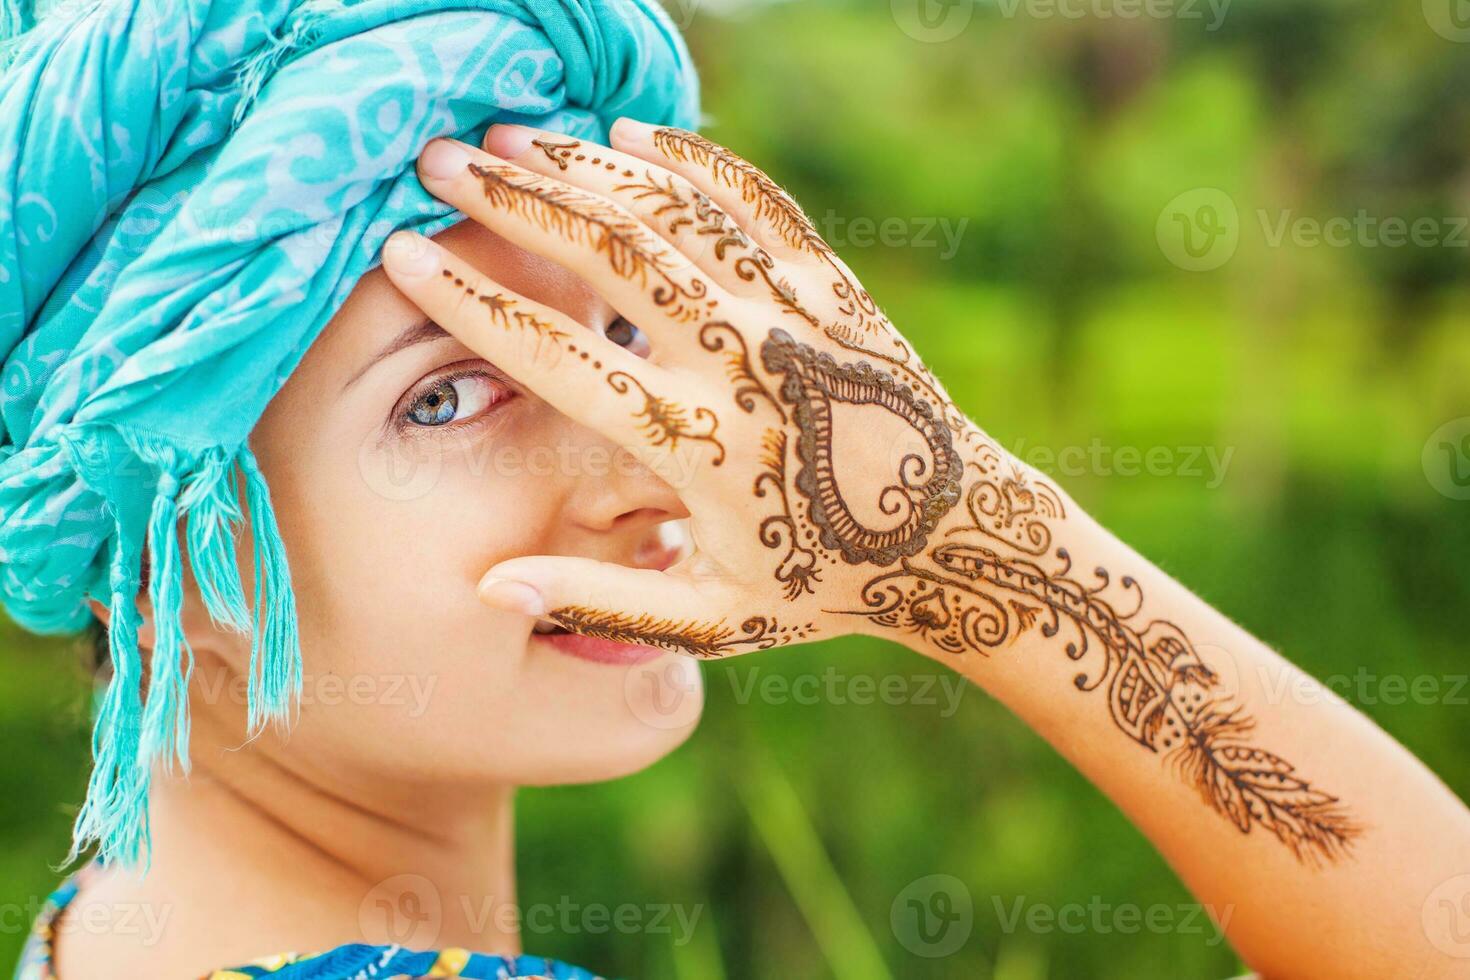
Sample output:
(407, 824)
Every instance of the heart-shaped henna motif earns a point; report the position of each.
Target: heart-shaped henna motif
(813, 381)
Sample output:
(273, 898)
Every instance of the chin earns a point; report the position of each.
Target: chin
(658, 708)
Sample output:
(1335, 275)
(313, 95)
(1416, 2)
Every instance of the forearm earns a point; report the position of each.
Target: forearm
(1314, 836)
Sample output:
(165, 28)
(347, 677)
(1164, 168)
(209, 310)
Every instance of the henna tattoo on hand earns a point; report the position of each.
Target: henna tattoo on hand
(681, 208)
(504, 311)
(991, 579)
(813, 382)
(797, 569)
(694, 637)
(560, 153)
(632, 251)
(970, 596)
(773, 205)
(860, 325)
(768, 199)
(1010, 508)
(712, 337)
(667, 422)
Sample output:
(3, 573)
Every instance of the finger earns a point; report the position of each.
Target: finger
(633, 605)
(635, 270)
(682, 214)
(761, 206)
(582, 374)
(756, 201)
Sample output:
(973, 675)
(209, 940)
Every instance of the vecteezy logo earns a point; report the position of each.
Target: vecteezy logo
(1199, 229)
(1450, 19)
(405, 909)
(398, 473)
(666, 694)
(933, 916)
(1445, 917)
(932, 21)
(1446, 459)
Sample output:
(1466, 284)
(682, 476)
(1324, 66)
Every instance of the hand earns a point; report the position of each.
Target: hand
(812, 448)
(833, 486)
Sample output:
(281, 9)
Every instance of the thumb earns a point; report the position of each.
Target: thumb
(630, 605)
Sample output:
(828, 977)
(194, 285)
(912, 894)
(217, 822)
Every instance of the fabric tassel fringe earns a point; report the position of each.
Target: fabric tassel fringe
(303, 25)
(116, 809)
(142, 723)
(212, 501)
(275, 649)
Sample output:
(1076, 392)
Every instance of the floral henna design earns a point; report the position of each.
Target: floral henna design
(973, 597)
(953, 619)
(504, 311)
(694, 637)
(812, 382)
(585, 219)
(1163, 697)
(680, 206)
(772, 204)
(1010, 508)
(560, 153)
(797, 569)
(667, 422)
(684, 207)
(737, 366)
(859, 316)
(679, 211)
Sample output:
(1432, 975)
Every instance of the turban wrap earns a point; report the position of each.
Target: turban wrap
(189, 189)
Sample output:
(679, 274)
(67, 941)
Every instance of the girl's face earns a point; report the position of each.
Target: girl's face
(401, 467)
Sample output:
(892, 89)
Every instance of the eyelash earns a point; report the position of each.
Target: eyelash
(405, 424)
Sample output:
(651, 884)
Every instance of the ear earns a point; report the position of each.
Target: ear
(145, 613)
(198, 627)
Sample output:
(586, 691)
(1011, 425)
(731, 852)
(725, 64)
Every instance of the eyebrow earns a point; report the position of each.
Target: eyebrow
(422, 332)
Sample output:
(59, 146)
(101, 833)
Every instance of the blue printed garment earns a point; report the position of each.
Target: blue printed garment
(188, 191)
(354, 961)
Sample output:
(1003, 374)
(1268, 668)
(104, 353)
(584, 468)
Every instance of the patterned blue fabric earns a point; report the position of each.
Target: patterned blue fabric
(353, 961)
(190, 190)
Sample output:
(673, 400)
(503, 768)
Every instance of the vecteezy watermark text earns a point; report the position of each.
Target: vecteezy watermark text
(1100, 917)
(842, 232)
(832, 686)
(1097, 458)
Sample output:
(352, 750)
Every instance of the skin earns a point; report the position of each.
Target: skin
(831, 486)
(415, 774)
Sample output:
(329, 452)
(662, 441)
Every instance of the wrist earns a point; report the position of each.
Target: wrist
(984, 578)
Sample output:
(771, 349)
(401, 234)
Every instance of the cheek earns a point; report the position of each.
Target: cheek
(388, 542)
(399, 550)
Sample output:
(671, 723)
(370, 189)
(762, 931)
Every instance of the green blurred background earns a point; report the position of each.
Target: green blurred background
(1066, 158)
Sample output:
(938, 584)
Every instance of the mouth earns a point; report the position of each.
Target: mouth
(658, 555)
(593, 648)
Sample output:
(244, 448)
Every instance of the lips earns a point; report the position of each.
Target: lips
(656, 554)
(596, 649)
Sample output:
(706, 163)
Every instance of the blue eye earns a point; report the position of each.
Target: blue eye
(624, 334)
(452, 399)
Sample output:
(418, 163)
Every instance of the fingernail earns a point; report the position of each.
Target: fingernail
(508, 141)
(512, 596)
(443, 159)
(408, 254)
(627, 128)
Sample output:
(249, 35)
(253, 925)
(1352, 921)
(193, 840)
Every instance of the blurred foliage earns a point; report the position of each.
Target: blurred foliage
(1057, 321)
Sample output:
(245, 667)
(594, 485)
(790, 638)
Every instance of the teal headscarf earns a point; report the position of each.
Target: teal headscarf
(188, 191)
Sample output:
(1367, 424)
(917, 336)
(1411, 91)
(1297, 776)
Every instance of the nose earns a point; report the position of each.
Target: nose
(612, 493)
